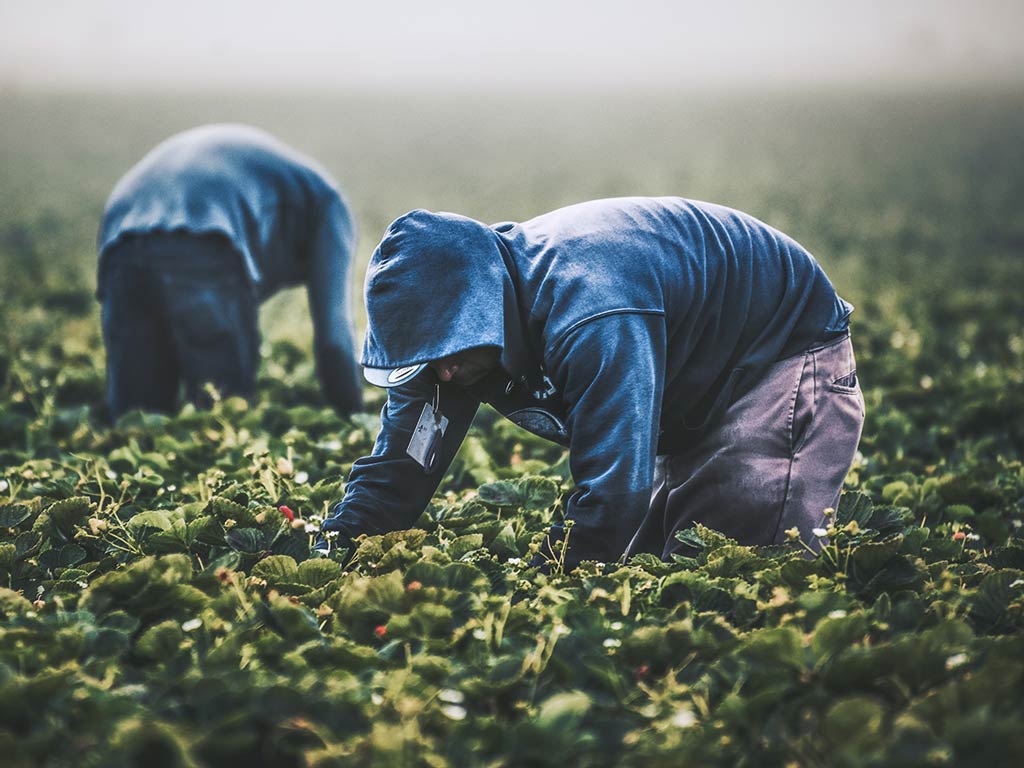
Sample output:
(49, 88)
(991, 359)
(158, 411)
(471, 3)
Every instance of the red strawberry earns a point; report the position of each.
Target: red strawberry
(380, 631)
(287, 512)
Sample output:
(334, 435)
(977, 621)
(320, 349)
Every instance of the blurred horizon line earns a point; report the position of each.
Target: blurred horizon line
(498, 90)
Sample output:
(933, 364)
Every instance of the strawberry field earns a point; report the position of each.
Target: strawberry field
(158, 602)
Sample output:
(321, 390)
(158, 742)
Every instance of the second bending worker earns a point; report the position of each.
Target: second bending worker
(205, 227)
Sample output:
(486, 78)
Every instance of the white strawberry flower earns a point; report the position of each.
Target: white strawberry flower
(956, 660)
(451, 696)
(683, 718)
(454, 711)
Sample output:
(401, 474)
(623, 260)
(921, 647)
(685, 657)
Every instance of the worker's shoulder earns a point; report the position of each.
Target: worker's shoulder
(240, 147)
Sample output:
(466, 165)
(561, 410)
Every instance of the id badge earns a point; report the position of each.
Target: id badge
(425, 444)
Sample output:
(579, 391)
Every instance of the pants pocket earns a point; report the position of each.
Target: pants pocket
(839, 370)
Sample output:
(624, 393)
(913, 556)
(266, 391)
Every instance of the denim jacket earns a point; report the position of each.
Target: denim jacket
(626, 327)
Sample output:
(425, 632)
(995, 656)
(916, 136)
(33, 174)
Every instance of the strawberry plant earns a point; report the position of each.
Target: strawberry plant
(159, 602)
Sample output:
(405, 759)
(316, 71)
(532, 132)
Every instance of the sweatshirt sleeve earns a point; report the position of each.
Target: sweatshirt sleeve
(611, 373)
(388, 490)
(330, 268)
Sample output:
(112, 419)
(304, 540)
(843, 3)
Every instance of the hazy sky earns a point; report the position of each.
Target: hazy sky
(468, 43)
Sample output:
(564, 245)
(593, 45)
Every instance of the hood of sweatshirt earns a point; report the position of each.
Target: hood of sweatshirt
(438, 284)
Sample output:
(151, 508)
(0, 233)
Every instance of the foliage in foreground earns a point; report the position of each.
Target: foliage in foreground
(159, 604)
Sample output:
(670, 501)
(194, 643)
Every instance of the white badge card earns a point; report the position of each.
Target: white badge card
(425, 443)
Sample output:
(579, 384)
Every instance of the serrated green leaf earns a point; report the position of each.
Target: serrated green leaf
(465, 544)
(318, 572)
(157, 519)
(11, 516)
(503, 493)
(26, 543)
(225, 509)
(868, 559)
(994, 595)
(276, 568)
(854, 507)
(69, 512)
(70, 554)
(504, 543)
(247, 540)
(8, 555)
(537, 493)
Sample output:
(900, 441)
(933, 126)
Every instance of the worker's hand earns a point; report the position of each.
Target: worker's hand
(334, 545)
(320, 548)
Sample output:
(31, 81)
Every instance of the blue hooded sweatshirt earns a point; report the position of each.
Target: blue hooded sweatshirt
(626, 327)
(282, 213)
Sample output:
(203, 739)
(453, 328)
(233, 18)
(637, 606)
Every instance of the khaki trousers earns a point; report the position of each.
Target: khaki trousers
(776, 461)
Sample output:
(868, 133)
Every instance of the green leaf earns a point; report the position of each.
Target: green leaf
(779, 645)
(504, 544)
(70, 554)
(229, 560)
(691, 537)
(869, 558)
(294, 622)
(834, 635)
(959, 512)
(158, 519)
(318, 572)
(537, 493)
(11, 516)
(854, 507)
(894, 490)
(226, 509)
(563, 712)
(295, 546)
(713, 539)
(13, 604)
(206, 530)
(532, 494)
(733, 560)
(247, 540)
(888, 520)
(503, 493)
(989, 605)
(69, 512)
(465, 544)
(854, 724)
(275, 569)
(8, 554)
(26, 543)
(160, 642)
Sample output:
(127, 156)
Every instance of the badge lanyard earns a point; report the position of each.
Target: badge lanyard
(425, 443)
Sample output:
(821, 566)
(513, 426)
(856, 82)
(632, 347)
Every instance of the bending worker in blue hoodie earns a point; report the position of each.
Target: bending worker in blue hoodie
(696, 362)
(205, 227)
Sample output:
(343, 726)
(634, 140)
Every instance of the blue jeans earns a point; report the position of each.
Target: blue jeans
(178, 310)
